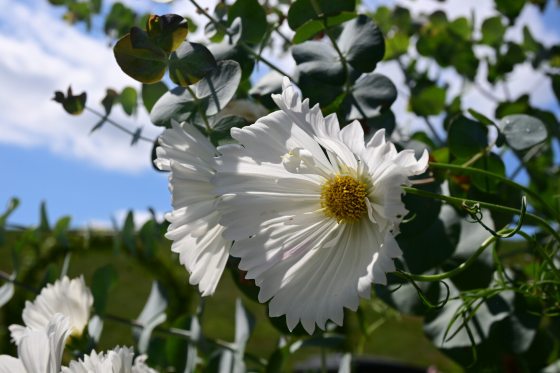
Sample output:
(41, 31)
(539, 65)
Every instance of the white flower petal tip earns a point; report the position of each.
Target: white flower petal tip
(71, 298)
(120, 359)
(39, 350)
(194, 229)
(312, 209)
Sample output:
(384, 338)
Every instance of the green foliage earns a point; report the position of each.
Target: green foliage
(483, 297)
(104, 279)
(72, 104)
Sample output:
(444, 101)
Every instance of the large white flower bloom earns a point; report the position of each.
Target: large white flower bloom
(39, 350)
(194, 228)
(118, 360)
(71, 298)
(312, 209)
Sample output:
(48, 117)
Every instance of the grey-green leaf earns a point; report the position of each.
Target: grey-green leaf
(362, 43)
(523, 131)
(371, 93)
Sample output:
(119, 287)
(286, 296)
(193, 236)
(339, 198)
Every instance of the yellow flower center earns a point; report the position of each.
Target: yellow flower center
(344, 198)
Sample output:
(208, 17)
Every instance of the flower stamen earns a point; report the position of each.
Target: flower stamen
(344, 198)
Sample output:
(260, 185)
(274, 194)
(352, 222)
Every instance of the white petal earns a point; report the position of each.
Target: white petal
(194, 229)
(10, 364)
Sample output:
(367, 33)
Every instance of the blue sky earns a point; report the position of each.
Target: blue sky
(47, 155)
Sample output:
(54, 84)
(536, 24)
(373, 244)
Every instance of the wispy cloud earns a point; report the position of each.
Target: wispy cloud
(40, 54)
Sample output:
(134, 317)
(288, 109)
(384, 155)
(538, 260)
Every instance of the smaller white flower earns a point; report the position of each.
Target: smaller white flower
(118, 360)
(71, 298)
(39, 350)
(194, 228)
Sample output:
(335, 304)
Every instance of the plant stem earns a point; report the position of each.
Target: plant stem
(460, 201)
(433, 130)
(242, 44)
(455, 271)
(200, 110)
(505, 180)
(117, 125)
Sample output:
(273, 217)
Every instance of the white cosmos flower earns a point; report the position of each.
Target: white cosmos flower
(118, 360)
(39, 350)
(312, 209)
(71, 298)
(194, 228)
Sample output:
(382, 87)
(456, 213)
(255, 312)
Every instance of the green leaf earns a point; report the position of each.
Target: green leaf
(7, 291)
(467, 137)
(145, 63)
(127, 233)
(370, 94)
(362, 44)
(119, 20)
(492, 163)
(11, 207)
(168, 31)
(313, 27)
(555, 80)
(104, 278)
(429, 247)
(190, 63)
(244, 325)
(72, 104)
(219, 87)
(423, 212)
(175, 346)
(321, 74)
(428, 101)
(523, 131)
(510, 8)
(225, 123)
(253, 19)
(302, 11)
(471, 237)
(151, 93)
(129, 100)
(213, 93)
(109, 100)
(151, 316)
(396, 45)
(481, 117)
(44, 225)
(229, 50)
(267, 85)
(493, 31)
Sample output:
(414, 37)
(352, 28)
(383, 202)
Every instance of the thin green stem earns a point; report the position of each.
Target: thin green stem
(461, 201)
(242, 44)
(117, 125)
(470, 170)
(433, 130)
(455, 271)
(200, 110)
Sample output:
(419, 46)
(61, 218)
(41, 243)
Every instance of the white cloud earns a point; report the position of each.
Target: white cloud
(42, 54)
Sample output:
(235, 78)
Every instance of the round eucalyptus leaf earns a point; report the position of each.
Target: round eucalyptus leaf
(151, 93)
(146, 64)
(370, 95)
(467, 137)
(362, 43)
(253, 17)
(314, 26)
(219, 87)
(523, 131)
(302, 11)
(428, 100)
(190, 63)
(492, 163)
(176, 104)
